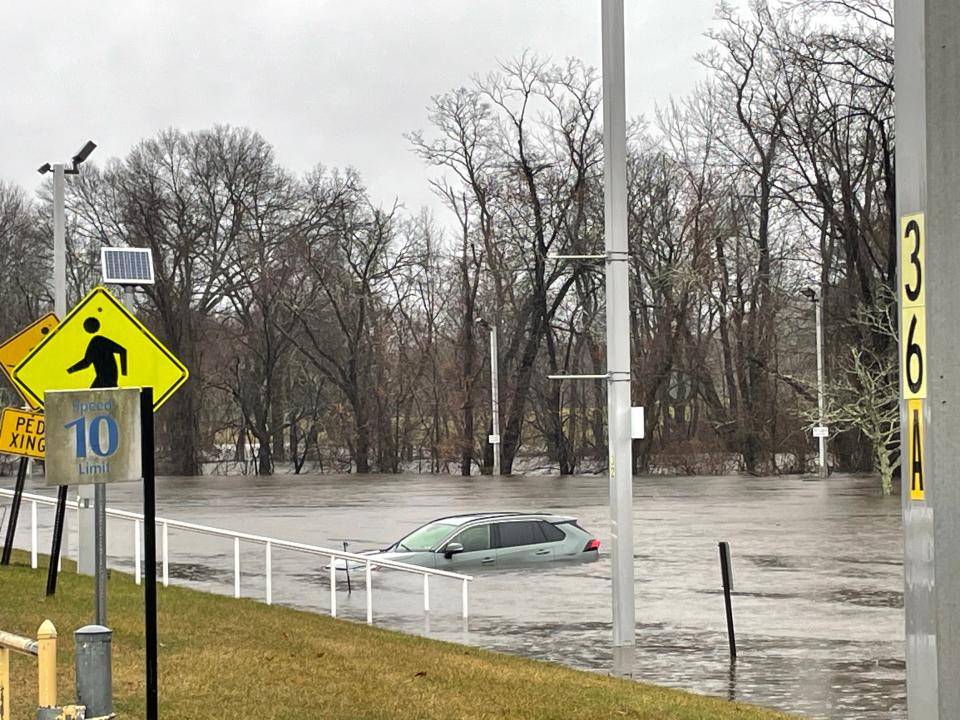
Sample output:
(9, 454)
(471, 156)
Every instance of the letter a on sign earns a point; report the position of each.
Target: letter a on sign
(915, 438)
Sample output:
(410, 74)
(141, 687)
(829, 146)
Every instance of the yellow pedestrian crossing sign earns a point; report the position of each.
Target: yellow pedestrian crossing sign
(99, 344)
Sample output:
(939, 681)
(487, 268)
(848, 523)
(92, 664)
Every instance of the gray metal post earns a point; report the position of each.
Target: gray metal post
(618, 322)
(495, 396)
(94, 674)
(100, 513)
(928, 210)
(823, 441)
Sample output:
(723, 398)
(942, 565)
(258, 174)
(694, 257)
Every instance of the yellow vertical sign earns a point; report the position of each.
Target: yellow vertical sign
(913, 306)
(915, 449)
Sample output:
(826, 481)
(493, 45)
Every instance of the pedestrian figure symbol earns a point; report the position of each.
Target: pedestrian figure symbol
(100, 353)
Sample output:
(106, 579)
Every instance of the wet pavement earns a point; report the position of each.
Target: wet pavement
(818, 601)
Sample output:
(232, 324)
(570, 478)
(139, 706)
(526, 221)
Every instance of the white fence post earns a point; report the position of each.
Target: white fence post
(33, 534)
(426, 593)
(166, 557)
(333, 586)
(236, 567)
(269, 574)
(136, 551)
(369, 596)
(465, 599)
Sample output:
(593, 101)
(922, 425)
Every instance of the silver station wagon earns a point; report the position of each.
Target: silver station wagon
(493, 539)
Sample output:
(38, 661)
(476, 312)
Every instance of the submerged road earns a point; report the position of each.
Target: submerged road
(817, 575)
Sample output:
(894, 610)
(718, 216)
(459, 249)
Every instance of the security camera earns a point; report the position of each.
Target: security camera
(44, 169)
(84, 152)
(811, 292)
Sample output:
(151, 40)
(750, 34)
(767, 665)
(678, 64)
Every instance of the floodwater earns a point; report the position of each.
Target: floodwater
(817, 567)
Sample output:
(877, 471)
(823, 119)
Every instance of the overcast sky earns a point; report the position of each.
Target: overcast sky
(336, 82)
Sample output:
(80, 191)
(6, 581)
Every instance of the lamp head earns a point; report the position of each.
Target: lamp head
(44, 169)
(811, 292)
(84, 152)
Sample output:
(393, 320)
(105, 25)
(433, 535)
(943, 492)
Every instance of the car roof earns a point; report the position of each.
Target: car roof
(466, 518)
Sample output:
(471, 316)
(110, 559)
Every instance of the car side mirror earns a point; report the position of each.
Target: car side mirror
(452, 549)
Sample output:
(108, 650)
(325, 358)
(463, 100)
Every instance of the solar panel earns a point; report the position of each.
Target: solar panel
(127, 266)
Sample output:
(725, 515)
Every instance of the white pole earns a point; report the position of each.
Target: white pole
(333, 586)
(369, 595)
(136, 551)
(269, 573)
(495, 397)
(33, 534)
(236, 567)
(166, 557)
(823, 441)
(464, 600)
(426, 593)
(618, 323)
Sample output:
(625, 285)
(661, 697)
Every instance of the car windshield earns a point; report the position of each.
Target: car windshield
(426, 537)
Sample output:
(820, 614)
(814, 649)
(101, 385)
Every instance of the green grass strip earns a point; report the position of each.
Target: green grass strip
(221, 657)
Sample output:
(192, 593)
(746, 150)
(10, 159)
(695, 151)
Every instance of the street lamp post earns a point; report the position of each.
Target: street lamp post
(494, 392)
(91, 526)
(814, 296)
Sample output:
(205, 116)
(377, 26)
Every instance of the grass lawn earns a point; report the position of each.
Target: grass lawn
(221, 657)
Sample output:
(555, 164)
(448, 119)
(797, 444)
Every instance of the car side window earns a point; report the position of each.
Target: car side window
(513, 534)
(551, 532)
(474, 538)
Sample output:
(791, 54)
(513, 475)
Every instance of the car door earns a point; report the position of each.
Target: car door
(521, 542)
(477, 549)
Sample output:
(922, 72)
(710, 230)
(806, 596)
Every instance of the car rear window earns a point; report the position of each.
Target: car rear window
(551, 533)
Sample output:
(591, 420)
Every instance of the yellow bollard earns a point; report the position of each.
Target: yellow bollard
(47, 665)
(4, 684)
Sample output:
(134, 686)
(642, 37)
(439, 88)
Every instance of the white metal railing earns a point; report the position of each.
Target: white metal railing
(368, 562)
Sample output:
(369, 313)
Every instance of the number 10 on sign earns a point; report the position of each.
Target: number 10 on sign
(913, 304)
(93, 436)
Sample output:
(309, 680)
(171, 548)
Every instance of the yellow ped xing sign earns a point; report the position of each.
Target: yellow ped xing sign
(15, 349)
(22, 433)
(99, 344)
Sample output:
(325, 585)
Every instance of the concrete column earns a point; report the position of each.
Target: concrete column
(928, 210)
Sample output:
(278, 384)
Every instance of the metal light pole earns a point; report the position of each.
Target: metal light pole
(88, 521)
(494, 392)
(618, 323)
(815, 298)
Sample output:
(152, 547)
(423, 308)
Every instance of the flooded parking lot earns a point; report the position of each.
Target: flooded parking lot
(817, 575)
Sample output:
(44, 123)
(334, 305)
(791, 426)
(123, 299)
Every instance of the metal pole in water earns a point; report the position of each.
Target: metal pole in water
(618, 323)
(726, 574)
(495, 395)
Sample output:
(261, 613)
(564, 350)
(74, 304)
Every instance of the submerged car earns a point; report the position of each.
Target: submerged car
(492, 539)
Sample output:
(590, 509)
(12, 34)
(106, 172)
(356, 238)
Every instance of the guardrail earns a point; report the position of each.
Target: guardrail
(44, 648)
(269, 544)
